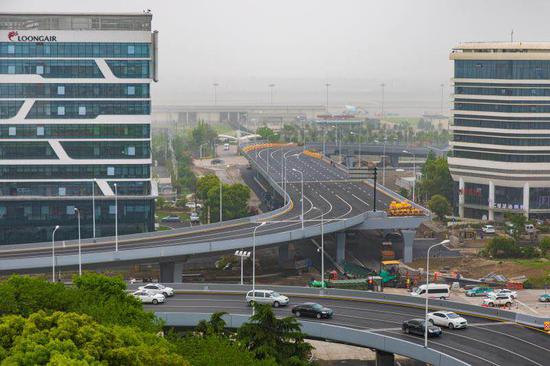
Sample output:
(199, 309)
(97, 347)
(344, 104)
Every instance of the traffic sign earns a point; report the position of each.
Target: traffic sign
(547, 326)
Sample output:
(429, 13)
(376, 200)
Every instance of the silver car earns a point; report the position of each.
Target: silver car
(270, 297)
(147, 297)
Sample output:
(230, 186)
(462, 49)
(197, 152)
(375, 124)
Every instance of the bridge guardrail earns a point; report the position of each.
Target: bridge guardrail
(337, 333)
(475, 310)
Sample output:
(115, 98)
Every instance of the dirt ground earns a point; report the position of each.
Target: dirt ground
(476, 267)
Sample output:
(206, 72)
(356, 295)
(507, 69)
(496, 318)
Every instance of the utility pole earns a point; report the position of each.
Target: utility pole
(327, 85)
(215, 85)
(271, 86)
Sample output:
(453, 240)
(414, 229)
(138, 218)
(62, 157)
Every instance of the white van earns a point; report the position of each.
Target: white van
(226, 146)
(270, 297)
(435, 291)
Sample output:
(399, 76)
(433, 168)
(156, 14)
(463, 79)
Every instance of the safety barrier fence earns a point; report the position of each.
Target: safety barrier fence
(331, 332)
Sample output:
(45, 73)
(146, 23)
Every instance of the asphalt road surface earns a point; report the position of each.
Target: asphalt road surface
(485, 342)
(325, 187)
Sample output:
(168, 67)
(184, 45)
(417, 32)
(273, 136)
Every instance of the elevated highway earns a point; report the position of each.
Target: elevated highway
(327, 192)
(494, 336)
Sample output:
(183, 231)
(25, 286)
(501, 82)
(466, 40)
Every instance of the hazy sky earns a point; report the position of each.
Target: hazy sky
(301, 44)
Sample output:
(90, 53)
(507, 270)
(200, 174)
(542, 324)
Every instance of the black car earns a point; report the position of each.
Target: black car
(171, 218)
(416, 326)
(312, 310)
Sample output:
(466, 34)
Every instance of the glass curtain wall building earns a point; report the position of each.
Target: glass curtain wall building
(501, 129)
(75, 125)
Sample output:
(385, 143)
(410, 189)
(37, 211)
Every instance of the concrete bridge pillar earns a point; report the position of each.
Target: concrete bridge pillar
(340, 247)
(408, 242)
(384, 358)
(171, 272)
(283, 254)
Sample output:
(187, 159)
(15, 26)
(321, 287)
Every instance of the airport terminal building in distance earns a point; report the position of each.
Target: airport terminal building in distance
(501, 129)
(75, 122)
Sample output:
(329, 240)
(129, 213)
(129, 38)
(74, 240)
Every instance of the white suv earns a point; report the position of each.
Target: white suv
(270, 297)
(157, 288)
(447, 319)
(498, 300)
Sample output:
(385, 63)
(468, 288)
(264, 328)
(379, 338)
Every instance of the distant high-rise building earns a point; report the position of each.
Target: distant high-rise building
(75, 119)
(501, 129)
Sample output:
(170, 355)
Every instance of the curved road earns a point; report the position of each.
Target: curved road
(485, 342)
(325, 187)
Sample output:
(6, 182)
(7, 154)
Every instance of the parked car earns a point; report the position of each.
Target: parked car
(478, 291)
(270, 297)
(530, 228)
(157, 288)
(498, 300)
(193, 205)
(544, 298)
(505, 291)
(312, 310)
(447, 319)
(147, 297)
(488, 229)
(194, 217)
(417, 326)
(435, 291)
(216, 161)
(171, 218)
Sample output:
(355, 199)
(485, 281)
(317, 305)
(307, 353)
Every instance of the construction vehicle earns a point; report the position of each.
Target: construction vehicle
(387, 253)
(403, 209)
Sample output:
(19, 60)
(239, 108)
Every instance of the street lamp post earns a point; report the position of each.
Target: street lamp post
(221, 201)
(414, 172)
(302, 176)
(327, 85)
(242, 254)
(359, 145)
(116, 218)
(254, 261)
(53, 252)
(384, 162)
(215, 85)
(77, 211)
(444, 242)
(322, 247)
(271, 86)
(93, 207)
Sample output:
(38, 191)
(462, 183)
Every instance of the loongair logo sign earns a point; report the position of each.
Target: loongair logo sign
(14, 36)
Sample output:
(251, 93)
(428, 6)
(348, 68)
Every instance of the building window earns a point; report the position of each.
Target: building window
(131, 50)
(60, 110)
(11, 69)
(70, 210)
(131, 150)
(62, 191)
(81, 111)
(11, 49)
(40, 131)
(12, 131)
(131, 90)
(112, 209)
(60, 90)
(110, 170)
(40, 69)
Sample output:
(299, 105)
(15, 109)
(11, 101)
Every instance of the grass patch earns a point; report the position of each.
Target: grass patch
(535, 263)
(412, 121)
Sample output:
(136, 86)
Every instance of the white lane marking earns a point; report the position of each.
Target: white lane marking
(346, 202)
(511, 336)
(449, 347)
(359, 199)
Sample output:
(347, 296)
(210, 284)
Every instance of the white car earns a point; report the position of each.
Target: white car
(505, 291)
(488, 229)
(498, 300)
(272, 298)
(147, 297)
(447, 319)
(194, 217)
(157, 288)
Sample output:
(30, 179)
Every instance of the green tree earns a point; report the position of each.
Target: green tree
(103, 298)
(518, 222)
(202, 134)
(205, 184)
(544, 246)
(436, 178)
(215, 350)
(439, 205)
(269, 337)
(267, 134)
(501, 247)
(76, 339)
(234, 201)
(214, 326)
